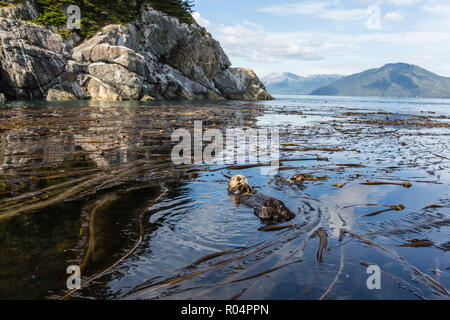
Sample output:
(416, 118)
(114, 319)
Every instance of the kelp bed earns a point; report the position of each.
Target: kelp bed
(93, 185)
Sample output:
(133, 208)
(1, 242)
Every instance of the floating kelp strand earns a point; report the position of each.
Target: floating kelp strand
(93, 182)
(434, 206)
(323, 243)
(399, 207)
(259, 274)
(411, 227)
(339, 185)
(92, 230)
(136, 245)
(41, 191)
(352, 165)
(416, 243)
(248, 277)
(246, 271)
(336, 278)
(405, 184)
(365, 205)
(316, 224)
(180, 278)
(219, 254)
(267, 164)
(426, 279)
(275, 228)
(413, 289)
(439, 156)
(63, 196)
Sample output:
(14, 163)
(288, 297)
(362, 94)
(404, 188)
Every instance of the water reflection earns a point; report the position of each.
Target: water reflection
(58, 162)
(351, 195)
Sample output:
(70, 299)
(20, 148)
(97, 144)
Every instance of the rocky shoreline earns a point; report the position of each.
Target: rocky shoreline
(154, 58)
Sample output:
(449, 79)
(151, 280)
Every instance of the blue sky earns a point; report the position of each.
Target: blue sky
(329, 36)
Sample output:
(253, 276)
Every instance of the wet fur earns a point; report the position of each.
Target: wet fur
(270, 210)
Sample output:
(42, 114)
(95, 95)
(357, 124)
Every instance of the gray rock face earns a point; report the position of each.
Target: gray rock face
(67, 90)
(31, 58)
(156, 57)
(113, 35)
(23, 11)
(200, 58)
(2, 98)
(241, 84)
(126, 83)
(101, 91)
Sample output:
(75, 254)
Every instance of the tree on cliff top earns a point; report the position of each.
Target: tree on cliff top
(95, 14)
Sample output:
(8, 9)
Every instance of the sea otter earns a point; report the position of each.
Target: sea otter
(268, 209)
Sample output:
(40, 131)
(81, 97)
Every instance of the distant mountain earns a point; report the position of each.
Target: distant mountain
(289, 83)
(391, 80)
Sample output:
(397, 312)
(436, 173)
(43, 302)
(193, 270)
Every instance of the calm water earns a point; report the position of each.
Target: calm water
(81, 182)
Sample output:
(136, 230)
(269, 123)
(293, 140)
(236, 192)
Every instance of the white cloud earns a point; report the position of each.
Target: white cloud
(402, 2)
(392, 2)
(393, 17)
(251, 41)
(330, 49)
(323, 10)
(440, 9)
(200, 20)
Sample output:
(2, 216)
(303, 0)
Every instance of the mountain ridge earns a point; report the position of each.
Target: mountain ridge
(391, 80)
(290, 83)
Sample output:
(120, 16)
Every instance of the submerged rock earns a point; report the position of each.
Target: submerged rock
(155, 57)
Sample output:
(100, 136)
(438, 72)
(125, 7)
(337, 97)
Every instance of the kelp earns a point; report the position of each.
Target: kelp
(405, 184)
(323, 236)
(398, 207)
(413, 289)
(275, 228)
(338, 275)
(81, 187)
(423, 277)
(416, 243)
(58, 177)
(300, 230)
(136, 245)
(276, 163)
(92, 230)
(411, 228)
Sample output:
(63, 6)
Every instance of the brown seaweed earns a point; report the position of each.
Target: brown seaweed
(405, 184)
(398, 207)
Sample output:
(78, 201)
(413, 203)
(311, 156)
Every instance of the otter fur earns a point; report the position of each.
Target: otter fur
(268, 209)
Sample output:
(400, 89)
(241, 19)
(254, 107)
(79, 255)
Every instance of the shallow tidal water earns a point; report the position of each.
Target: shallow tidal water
(92, 184)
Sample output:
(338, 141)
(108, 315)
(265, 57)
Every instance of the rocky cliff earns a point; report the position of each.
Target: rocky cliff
(153, 58)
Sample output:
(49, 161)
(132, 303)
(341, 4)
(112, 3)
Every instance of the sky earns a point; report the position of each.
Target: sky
(329, 36)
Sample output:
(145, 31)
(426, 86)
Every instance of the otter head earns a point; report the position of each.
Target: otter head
(239, 185)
